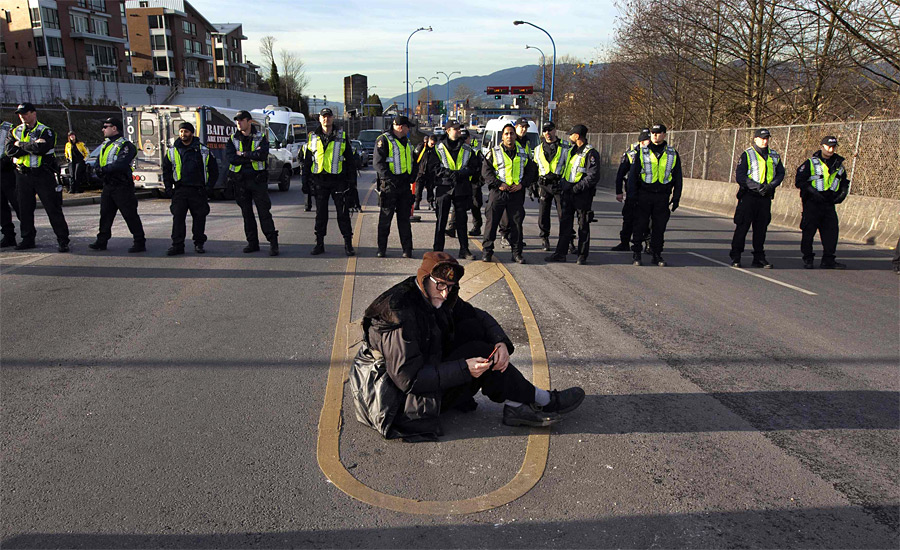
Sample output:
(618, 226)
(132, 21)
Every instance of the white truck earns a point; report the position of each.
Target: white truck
(154, 128)
(289, 128)
(493, 132)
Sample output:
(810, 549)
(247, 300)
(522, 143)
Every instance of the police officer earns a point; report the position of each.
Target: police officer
(579, 185)
(758, 173)
(188, 171)
(453, 187)
(655, 179)
(507, 170)
(114, 170)
(246, 153)
(426, 160)
(477, 195)
(550, 156)
(823, 183)
(522, 140)
(8, 202)
(31, 145)
(395, 166)
(630, 203)
(329, 164)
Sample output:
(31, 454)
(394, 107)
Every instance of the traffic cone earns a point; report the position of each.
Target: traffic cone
(413, 217)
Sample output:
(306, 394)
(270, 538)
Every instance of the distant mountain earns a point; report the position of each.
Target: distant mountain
(514, 76)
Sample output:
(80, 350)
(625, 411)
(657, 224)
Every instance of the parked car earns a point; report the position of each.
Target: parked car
(367, 138)
(360, 153)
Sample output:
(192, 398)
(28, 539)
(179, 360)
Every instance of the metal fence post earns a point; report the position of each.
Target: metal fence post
(855, 152)
(787, 143)
(733, 151)
(693, 154)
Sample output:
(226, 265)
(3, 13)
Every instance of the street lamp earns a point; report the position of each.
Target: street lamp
(447, 105)
(543, 71)
(553, 70)
(428, 96)
(429, 29)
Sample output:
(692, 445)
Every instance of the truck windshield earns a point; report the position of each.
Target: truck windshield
(280, 130)
(369, 135)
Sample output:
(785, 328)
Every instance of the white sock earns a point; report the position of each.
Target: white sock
(513, 404)
(541, 397)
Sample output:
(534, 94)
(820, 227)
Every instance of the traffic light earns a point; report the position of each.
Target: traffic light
(498, 96)
(521, 97)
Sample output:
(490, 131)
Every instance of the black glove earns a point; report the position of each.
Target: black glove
(765, 189)
(815, 195)
(168, 192)
(352, 198)
(840, 198)
(674, 204)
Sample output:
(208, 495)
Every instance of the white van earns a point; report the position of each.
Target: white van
(493, 132)
(289, 128)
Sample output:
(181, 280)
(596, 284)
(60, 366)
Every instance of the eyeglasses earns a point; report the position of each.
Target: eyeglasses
(441, 285)
(108, 126)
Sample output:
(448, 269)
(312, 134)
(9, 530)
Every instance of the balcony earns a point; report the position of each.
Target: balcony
(197, 55)
(99, 37)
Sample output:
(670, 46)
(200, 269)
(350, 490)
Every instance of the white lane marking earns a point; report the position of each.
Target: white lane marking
(742, 270)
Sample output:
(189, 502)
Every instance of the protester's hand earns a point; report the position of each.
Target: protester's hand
(620, 197)
(477, 365)
(501, 357)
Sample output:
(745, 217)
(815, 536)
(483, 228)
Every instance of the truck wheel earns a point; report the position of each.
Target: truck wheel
(284, 182)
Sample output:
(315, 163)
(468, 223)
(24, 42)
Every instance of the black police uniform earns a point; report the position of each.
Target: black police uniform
(509, 203)
(340, 187)
(8, 202)
(549, 189)
(754, 207)
(653, 200)
(504, 220)
(189, 194)
(453, 188)
(425, 162)
(118, 191)
(251, 187)
(818, 209)
(39, 179)
(577, 201)
(477, 196)
(629, 206)
(394, 194)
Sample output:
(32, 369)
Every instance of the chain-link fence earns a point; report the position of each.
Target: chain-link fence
(871, 150)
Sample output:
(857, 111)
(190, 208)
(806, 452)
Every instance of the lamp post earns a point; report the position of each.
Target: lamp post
(428, 96)
(553, 70)
(447, 105)
(429, 29)
(543, 71)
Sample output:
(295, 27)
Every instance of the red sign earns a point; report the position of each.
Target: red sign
(497, 90)
(520, 90)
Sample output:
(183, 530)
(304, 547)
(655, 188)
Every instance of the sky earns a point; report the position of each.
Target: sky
(339, 38)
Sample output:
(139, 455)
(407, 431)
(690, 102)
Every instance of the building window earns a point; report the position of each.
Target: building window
(96, 5)
(101, 26)
(35, 17)
(188, 27)
(103, 55)
(142, 3)
(39, 48)
(51, 18)
(160, 42)
(79, 22)
(159, 64)
(157, 22)
(54, 46)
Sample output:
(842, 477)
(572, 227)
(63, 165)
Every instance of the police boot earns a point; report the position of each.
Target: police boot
(418, 204)
(273, 246)
(475, 231)
(252, 246)
(348, 247)
(25, 245)
(318, 249)
(175, 250)
(97, 245)
(138, 246)
(621, 247)
(8, 240)
(636, 259)
(658, 260)
(545, 244)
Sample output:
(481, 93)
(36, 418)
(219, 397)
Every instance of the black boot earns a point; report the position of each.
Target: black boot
(25, 245)
(545, 244)
(318, 249)
(621, 247)
(251, 247)
(475, 231)
(273, 246)
(175, 250)
(658, 260)
(8, 240)
(348, 247)
(97, 245)
(138, 246)
(636, 258)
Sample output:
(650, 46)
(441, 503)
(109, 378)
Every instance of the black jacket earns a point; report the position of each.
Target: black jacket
(191, 167)
(118, 172)
(261, 154)
(399, 374)
(636, 183)
(323, 180)
(456, 183)
(388, 182)
(425, 158)
(754, 187)
(32, 148)
(810, 193)
(529, 171)
(549, 183)
(625, 167)
(583, 192)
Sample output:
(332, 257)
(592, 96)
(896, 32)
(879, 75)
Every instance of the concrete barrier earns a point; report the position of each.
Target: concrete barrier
(864, 220)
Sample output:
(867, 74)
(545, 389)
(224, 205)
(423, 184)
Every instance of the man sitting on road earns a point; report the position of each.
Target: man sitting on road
(426, 351)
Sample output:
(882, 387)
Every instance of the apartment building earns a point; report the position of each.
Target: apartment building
(230, 66)
(81, 39)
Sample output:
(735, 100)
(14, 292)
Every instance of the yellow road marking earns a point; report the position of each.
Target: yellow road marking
(328, 444)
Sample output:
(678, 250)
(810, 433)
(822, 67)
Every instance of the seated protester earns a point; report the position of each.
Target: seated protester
(426, 351)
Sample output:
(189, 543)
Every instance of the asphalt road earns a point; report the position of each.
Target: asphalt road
(150, 401)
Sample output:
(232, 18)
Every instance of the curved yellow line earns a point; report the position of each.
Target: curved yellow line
(328, 444)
